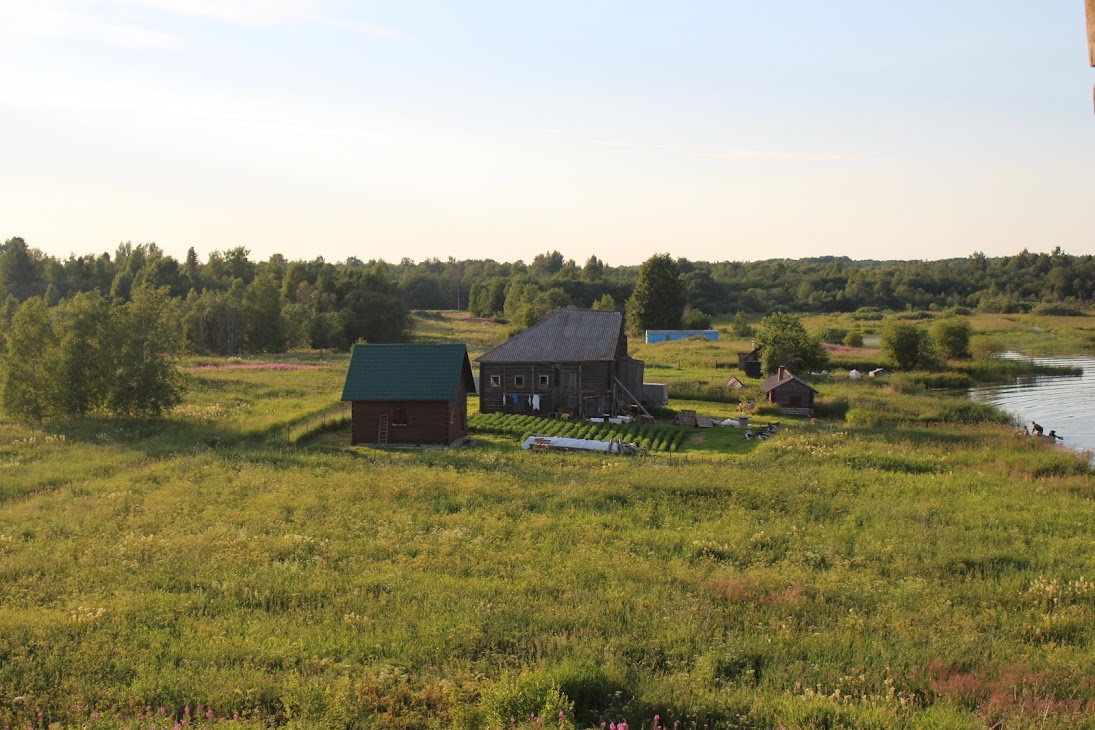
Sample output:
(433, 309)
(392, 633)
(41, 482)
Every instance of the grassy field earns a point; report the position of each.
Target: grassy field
(907, 562)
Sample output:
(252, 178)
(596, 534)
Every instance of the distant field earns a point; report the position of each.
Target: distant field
(907, 562)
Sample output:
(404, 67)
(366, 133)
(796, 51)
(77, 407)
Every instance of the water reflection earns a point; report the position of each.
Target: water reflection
(1065, 404)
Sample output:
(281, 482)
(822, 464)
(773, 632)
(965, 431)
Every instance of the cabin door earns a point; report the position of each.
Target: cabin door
(568, 396)
(795, 401)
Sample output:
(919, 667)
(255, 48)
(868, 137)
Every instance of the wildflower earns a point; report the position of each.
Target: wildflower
(208, 714)
(657, 721)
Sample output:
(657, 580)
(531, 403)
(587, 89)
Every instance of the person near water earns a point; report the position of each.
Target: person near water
(1036, 429)
(1054, 437)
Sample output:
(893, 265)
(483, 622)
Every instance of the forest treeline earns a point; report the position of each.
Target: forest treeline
(229, 303)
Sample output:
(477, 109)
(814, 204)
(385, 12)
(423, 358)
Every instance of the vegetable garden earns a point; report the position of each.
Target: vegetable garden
(655, 438)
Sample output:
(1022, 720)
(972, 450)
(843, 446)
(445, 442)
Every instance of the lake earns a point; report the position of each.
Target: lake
(1065, 404)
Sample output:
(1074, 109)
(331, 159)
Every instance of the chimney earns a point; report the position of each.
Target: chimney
(781, 374)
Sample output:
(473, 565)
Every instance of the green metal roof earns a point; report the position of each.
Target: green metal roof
(407, 372)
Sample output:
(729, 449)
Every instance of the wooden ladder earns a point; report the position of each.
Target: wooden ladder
(382, 431)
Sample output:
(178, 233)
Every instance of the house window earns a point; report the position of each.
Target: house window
(545, 381)
(399, 416)
(518, 381)
(496, 381)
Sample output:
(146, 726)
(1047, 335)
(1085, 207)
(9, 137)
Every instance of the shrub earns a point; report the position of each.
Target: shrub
(868, 314)
(1057, 310)
(853, 339)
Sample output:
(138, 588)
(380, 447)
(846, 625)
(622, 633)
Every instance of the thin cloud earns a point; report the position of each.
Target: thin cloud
(23, 23)
(636, 145)
(250, 13)
(134, 37)
(370, 29)
(783, 156)
(265, 13)
(732, 155)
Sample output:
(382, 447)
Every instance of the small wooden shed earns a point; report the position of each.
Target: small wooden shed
(409, 395)
(749, 362)
(792, 395)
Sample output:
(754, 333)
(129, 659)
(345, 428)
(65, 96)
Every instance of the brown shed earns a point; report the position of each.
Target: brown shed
(749, 362)
(572, 363)
(409, 394)
(791, 394)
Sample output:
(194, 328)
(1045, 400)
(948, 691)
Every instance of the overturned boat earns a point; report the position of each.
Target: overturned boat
(559, 443)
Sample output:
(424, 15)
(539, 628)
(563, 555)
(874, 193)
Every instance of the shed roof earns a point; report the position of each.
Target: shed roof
(407, 372)
(569, 335)
(781, 378)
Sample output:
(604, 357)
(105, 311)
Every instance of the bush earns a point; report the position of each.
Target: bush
(868, 314)
(952, 338)
(853, 339)
(1057, 310)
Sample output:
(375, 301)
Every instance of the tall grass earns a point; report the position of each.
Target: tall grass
(913, 565)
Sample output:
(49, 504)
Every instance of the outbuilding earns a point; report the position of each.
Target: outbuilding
(409, 395)
(792, 395)
(749, 362)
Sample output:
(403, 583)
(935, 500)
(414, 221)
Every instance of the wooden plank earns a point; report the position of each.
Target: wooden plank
(1091, 30)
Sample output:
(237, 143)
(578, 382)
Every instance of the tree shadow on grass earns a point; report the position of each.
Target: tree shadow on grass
(152, 437)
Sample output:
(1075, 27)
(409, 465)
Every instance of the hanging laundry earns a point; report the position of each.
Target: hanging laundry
(535, 402)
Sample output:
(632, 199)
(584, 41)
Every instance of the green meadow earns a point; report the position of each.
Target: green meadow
(907, 561)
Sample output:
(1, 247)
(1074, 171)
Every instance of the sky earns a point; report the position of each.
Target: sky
(712, 130)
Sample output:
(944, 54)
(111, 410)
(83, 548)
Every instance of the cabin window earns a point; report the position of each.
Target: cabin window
(496, 381)
(518, 381)
(545, 381)
(399, 416)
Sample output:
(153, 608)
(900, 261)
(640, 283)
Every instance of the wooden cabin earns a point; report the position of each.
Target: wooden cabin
(571, 364)
(792, 395)
(749, 362)
(409, 395)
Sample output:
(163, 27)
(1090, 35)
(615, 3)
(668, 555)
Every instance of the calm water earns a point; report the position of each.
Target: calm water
(1064, 404)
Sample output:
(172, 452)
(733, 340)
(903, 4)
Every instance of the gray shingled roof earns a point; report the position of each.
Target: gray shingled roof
(775, 381)
(407, 372)
(569, 335)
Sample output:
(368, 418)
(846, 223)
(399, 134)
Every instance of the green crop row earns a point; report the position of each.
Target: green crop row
(650, 436)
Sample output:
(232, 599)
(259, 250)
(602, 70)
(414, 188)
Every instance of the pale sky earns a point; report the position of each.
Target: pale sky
(714, 130)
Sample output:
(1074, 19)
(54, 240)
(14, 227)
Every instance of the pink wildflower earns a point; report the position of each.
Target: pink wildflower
(208, 714)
